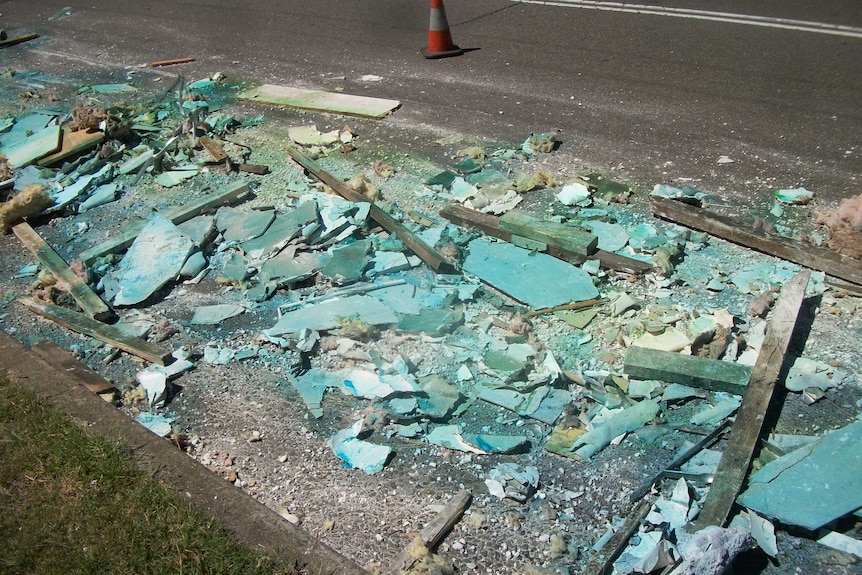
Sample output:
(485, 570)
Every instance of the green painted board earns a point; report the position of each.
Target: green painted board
(44, 142)
(550, 233)
(694, 371)
(321, 101)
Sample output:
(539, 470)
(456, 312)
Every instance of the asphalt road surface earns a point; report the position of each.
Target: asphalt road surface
(659, 91)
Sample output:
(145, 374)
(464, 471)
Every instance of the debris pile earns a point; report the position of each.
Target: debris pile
(480, 331)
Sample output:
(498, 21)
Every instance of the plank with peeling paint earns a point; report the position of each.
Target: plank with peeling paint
(81, 323)
(89, 300)
(743, 438)
(321, 101)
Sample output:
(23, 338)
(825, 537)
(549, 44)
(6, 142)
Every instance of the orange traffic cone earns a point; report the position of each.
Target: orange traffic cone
(439, 39)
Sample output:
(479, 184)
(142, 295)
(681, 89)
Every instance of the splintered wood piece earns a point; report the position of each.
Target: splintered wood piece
(428, 255)
(435, 531)
(490, 225)
(176, 215)
(60, 359)
(71, 144)
(550, 233)
(89, 300)
(160, 63)
(213, 148)
(743, 438)
(80, 323)
(808, 255)
(691, 370)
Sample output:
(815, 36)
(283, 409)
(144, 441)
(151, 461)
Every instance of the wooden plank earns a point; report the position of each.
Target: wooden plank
(490, 225)
(550, 233)
(60, 359)
(89, 300)
(320, 101)
(177, 215)
(435, 531)
(602, 562)
(810, 256)
(214, 149)
(80, 323)
(160, 63)
(671, 367)
(72, 143)
(431, 257)
(743, 438)
(18, 40)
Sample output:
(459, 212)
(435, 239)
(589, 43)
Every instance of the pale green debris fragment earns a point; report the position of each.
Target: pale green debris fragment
(574, 194)
(440, 398)
(622, 303)
(102, 195)
(612, 237)
(312, 386)
(622, 421)
(135, 163)
(807, 373)
(370, 385)
(238, 225)
(330, 314)
(311, 136)
(40, 144)
(155, 258)
(215, 314)
(669, 340)
(175, 177)
(433, 321)
(813, 485)
(538, 280)
(109, 88)
(677, 391)
(158, 424)
(795, 196)
(450, 436)
(640, 389)
(364, 455)
(645, 237)
(717, 413)
(218, 355)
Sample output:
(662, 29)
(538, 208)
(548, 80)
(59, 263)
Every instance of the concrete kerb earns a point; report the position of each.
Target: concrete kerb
(251, 522)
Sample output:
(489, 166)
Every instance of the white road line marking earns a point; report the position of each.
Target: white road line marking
(766, 21)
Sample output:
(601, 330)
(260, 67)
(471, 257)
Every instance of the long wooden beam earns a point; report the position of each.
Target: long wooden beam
(431, 257)
(490, 225)
(177, 215)
(743, 438)
(89, 300)
(80, 323)
(810, 256)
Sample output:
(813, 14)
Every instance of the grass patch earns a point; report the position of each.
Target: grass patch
(72, 503)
